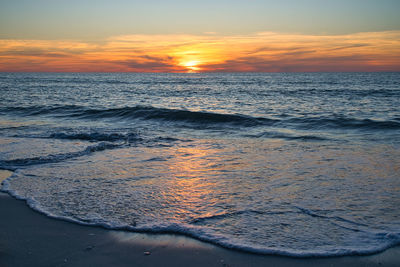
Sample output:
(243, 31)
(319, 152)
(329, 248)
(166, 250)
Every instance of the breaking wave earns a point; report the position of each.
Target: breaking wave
(201, 118)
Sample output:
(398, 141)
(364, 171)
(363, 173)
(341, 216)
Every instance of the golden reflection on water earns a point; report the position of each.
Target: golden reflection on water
(208, 177)
(192, 162)
(205, 176)
(191, 169)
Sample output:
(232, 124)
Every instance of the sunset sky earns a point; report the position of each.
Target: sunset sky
(199, 36)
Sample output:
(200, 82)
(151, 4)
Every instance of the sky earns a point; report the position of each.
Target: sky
(199, 36)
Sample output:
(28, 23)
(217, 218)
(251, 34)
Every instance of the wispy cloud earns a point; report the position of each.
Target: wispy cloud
(265, 51)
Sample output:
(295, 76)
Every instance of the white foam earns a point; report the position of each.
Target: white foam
(388, 239)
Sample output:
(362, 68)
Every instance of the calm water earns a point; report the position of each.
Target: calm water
(293, 164)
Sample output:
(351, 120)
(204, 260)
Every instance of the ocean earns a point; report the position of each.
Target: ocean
(298, 164)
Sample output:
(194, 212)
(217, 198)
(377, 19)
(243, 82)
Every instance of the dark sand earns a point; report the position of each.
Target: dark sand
(28, 238)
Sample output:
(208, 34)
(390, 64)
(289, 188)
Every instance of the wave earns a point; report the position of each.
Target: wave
(97, 136)
(53, 158)
(140, 112)
(286, 136)
(224, 215)
(118, 139)
(109, 141)
(202, 118)
(344, 92)
(342, 122)
(386, 239)
(151, 113)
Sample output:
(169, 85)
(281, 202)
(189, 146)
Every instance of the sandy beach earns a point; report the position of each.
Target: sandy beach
(28, 238)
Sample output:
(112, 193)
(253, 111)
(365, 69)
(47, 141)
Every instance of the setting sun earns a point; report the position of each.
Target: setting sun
(191, 65)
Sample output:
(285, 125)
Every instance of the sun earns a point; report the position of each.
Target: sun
(191, 65)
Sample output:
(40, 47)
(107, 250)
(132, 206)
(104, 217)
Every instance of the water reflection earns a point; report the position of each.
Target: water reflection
(193, 179)
(250, 191)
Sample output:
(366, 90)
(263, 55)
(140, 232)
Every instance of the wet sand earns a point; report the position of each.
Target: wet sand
(28, 238)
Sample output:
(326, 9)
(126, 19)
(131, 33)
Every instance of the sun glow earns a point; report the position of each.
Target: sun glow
(259, 52)
(191, 65)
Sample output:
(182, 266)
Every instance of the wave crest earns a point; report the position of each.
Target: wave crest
(202, 118)
(53, 158)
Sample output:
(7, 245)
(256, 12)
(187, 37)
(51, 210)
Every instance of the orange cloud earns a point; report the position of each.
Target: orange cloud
(261, 52)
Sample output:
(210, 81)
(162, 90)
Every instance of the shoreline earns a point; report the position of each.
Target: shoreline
(28, 238)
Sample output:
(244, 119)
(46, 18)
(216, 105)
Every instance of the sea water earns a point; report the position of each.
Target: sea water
(300, 164)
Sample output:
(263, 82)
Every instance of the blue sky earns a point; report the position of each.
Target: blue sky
(97, 19)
